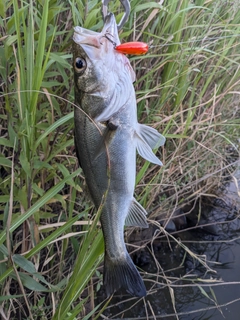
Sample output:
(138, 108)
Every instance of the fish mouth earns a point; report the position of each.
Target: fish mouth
(110, 27)
(88, 37)
(109, 34)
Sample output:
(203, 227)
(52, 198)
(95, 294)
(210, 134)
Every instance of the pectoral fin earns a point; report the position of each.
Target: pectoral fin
(102, 144)
(151, 136)
(136, 216)
(146, 152)
(147, 139)
(106, 138)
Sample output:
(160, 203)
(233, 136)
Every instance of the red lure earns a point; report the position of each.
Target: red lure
(136, 48)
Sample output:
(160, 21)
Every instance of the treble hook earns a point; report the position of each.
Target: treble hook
(126, 6)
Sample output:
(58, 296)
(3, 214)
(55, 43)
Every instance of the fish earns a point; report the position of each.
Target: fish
(107, 136)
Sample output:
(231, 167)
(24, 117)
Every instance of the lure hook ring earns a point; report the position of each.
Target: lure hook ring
(126, 6)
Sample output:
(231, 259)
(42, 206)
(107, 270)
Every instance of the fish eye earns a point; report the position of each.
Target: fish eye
(80, 64)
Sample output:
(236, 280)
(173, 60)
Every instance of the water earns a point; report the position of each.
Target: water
(216, 296)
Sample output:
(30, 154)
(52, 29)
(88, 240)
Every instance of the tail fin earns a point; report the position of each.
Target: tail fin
(122, 273)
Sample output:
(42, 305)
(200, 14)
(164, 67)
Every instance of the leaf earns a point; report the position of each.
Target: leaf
(89, 316)
(29, 267)
(4, 250)
(22, 197)
(91, 18)
(213, 294)
(148, 5)
(46, 215)
(38, 190)
(31, 284)
(59, 198)
(12, 135)
(50, 84)
(203, 292)
(38, 71)
(2, 9)
(54, 126)
(37, 164)
(5, 162)
(6, 143)
(10, 40)
(23, 263)
(85, 266)
(14, 296)
(25, 164)
(63, 169)
(4, 199)
(43, 244)
(38, 204)
(62, 59)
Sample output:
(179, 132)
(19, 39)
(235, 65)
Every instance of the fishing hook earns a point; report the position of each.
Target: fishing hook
(107, 37)
(126, 6)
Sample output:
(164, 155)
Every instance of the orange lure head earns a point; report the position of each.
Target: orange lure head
(134, 48)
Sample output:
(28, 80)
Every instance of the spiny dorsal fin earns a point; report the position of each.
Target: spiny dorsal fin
(136, 215)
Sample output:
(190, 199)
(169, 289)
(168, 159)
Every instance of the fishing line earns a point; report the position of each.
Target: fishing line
(106, 35)
(195, 40)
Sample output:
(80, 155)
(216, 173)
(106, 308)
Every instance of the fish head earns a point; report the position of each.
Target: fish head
(86, 60)
(97, 65)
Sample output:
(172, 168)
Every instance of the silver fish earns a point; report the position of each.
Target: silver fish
(107, 135)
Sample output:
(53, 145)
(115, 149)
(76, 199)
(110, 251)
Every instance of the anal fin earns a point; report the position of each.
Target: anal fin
(136, 216)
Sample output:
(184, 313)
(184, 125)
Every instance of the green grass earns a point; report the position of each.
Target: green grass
(187, 87)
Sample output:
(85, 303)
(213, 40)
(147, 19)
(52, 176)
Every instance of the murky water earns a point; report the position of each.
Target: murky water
(183, 296)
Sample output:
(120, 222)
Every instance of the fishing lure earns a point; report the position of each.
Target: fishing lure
(135, 48)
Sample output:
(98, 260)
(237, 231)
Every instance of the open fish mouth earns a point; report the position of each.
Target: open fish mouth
(108, 37)
(110, 28)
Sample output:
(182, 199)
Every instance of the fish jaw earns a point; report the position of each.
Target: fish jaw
(110, 28)
(97, 45)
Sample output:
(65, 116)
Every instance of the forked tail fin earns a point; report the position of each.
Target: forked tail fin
(122, 273)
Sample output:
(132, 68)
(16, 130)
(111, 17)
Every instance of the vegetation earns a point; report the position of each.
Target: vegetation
(187, 87)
